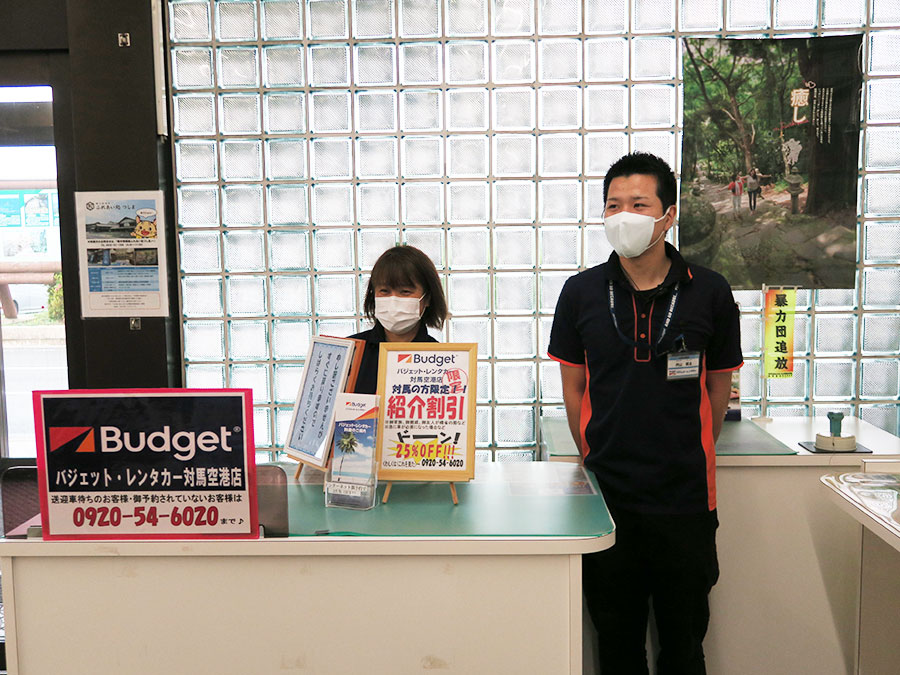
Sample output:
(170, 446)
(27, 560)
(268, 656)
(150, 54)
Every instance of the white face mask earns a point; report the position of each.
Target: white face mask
(630, 233)
(398, 315)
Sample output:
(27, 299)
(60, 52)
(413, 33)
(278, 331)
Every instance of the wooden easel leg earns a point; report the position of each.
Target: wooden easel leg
(387, 493)
(297, 472)
(453, 494)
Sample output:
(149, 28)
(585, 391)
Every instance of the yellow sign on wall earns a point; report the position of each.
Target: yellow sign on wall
(779, 312)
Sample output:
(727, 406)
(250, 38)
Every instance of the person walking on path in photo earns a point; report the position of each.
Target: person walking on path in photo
(737, 189)
(754, 187)
(646, 345)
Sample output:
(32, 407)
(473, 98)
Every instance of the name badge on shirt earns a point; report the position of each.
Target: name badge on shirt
(683, 365)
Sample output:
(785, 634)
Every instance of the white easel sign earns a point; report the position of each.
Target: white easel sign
(427, 420)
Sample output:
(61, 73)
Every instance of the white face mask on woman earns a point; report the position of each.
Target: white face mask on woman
(630, 233)
(398, 315)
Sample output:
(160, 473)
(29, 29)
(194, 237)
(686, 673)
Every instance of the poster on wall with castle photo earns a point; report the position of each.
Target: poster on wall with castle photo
(769, 159)
(122, 253)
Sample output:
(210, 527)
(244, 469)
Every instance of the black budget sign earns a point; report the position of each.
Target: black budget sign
(135, 464)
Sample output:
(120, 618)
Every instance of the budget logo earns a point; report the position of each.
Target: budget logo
(65, 437)
(182, 444)
(439, 360)
(404, 358)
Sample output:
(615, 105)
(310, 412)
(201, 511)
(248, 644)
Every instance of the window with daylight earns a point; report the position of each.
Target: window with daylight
(310, 135)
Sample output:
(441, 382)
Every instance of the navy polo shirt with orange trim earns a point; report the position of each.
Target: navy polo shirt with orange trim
(649, 440)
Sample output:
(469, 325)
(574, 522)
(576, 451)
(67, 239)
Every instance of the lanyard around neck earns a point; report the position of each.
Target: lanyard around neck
(670, 312)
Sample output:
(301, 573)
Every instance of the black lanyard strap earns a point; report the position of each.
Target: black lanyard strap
(670, 312)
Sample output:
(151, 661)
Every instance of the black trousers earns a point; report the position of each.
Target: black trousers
(669, 559)
(753, 194)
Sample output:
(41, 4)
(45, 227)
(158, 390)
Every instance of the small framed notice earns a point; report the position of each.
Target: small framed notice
(426, 425)
(122, 253)
(328, 365)
(146, 464)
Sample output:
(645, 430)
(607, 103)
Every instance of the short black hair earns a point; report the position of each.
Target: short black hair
(406, 266)
(644, 163)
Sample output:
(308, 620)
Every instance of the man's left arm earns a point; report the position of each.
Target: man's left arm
(723, 355)
(718, 388)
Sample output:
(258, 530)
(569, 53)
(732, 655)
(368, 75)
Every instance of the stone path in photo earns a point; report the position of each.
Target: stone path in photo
(822, 254)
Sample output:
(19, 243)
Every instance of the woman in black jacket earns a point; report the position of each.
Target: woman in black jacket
(404, 297)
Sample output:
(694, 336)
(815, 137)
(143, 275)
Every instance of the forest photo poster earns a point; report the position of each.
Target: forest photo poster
(770, 156)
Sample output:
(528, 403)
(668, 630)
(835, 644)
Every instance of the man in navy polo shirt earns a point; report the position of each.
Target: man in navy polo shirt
(646, 345)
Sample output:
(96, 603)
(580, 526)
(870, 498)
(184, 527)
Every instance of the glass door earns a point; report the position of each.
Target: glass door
(32, 327)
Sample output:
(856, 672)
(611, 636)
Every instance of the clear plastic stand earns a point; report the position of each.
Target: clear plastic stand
(351, 495)
(351, 479)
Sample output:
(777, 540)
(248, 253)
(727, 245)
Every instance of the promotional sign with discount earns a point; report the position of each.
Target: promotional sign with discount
(426, 425)
(146, 464)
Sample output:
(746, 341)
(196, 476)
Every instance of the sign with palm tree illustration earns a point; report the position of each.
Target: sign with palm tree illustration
(346, 445)
(355, 427)
(351, 480)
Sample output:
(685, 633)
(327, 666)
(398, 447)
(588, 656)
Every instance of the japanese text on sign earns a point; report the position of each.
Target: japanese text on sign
(779, 315)
(146, 464)
(313, 417)
(426, 423)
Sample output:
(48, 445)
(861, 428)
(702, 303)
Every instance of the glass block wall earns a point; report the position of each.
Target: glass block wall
(310, 135)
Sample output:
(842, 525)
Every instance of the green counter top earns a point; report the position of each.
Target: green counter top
(528, 499)
(746, 438)
(742, 437)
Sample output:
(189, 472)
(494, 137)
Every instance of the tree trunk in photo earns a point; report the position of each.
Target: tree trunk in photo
(833, 63)
(745, 138)
(740, 135)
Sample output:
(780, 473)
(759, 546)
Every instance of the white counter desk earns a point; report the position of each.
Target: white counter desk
(788, 597)
(505, 598)
(871, 499)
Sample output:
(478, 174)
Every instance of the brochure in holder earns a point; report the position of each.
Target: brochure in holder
(351, 479)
